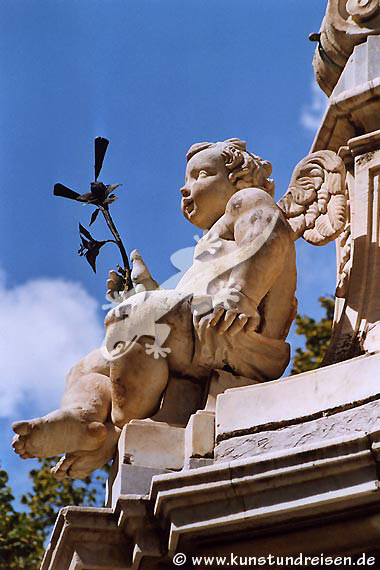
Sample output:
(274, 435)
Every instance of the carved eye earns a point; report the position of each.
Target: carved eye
(202, 174)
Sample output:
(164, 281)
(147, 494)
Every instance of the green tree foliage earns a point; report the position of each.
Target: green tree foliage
(49, 495)
(317, 335)
(21, 546)
(23, 534)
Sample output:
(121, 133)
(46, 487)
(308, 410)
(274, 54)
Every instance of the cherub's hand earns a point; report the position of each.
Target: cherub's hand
(115, 287)
(141, 279)
(228, 320)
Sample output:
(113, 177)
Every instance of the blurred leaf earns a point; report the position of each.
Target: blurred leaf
(110, 199)
(112, 188)
(93, 253)
(94, 216)
(87, 198)
(90, 248)
(101, 145)
(65, 192)
(85, 232)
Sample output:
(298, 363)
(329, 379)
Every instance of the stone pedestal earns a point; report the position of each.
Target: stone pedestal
(155, 446)
(295, 469)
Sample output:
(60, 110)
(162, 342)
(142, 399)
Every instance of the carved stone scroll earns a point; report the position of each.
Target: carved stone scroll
(347, 23)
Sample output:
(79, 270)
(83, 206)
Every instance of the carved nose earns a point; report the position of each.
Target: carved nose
(185, 192)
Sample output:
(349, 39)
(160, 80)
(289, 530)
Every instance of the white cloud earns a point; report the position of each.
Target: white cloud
(313, 112)
(46, 325)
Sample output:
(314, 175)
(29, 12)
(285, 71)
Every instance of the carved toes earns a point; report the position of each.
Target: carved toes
(18, 443)
(22, 428)
(69, 466)
(61, 469)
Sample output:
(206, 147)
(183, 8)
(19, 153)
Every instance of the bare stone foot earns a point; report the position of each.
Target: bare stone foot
(79, 465)
(61, 431)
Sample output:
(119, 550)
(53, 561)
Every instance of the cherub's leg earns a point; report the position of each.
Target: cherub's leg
(137, 383)
(79, 424)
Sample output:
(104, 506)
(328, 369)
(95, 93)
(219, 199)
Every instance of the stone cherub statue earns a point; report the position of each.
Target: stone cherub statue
(232, 309)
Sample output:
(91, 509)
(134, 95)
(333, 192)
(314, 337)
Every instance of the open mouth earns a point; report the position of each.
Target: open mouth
(188, 205)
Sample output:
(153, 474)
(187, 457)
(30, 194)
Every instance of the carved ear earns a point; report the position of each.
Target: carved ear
(315, 204)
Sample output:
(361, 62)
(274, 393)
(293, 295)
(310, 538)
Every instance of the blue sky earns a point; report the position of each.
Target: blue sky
(153, 76)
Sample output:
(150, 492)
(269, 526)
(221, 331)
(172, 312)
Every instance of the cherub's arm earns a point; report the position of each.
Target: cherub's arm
(263, 239)
(263, 235)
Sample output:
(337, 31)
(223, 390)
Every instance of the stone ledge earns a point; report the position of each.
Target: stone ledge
(88, 538)
(95, 527)
(293, 487)
(299, 398)
(362, 418)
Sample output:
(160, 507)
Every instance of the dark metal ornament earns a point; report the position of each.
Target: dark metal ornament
(101, 195)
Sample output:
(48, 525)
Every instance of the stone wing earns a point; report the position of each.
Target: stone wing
(315, 204)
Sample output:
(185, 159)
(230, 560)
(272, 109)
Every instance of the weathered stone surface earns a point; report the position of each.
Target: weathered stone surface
(146, 448)
(273, 495)
(352, 109)
(196, 462)
(85, 537)
(298, 398)
(103, 539)
(131, 480)
(359, 419)
(324, 497)
(363, 66)
(347, 23)
(153, 444)
(200, 435)
(357, 309)
(220, 381)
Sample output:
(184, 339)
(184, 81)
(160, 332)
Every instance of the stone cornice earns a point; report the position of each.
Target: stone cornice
(300, 485)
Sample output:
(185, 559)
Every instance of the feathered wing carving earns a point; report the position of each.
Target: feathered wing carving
(315, 204)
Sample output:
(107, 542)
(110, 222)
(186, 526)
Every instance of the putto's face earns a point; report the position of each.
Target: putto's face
(207, 188)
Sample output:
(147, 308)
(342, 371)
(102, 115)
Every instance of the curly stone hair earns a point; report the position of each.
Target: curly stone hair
(246, 169)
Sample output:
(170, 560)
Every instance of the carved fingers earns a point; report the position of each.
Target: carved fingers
(238, 324)
(114, 285)
(216, 316)
(228, 321)
(141, 279)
